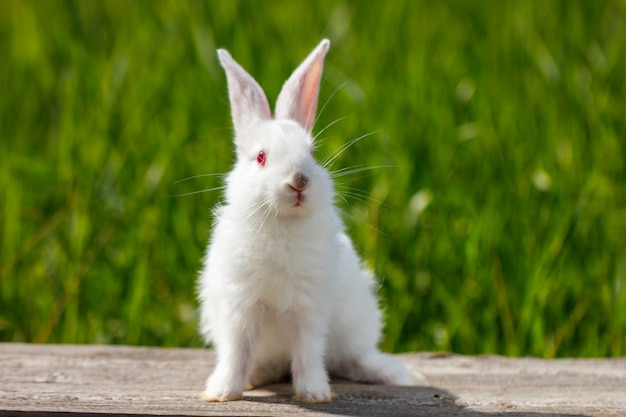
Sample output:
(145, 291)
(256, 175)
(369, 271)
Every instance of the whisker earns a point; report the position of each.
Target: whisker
(199, 176)
(347, 168)
(199, 192)
(330, 159)
(356, 169)
(268, 216)
(258, 207)
(361, 222)
(319, 113)
(363, 198)
(340, 195)
(327, 126)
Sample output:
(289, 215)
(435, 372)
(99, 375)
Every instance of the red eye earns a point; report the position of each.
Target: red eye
(261, 158)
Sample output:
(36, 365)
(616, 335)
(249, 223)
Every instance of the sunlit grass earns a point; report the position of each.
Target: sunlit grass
(496, 225)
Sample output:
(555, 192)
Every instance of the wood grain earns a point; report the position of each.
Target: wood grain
(54, 380)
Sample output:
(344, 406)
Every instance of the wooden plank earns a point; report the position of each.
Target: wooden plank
(58, 380)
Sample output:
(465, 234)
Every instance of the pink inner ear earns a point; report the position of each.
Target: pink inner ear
(308, 98)
(298, 98)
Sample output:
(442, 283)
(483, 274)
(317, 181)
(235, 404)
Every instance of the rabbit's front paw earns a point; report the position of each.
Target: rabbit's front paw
(221, 395)
(315, 398)
(314, 392)
(219, 390)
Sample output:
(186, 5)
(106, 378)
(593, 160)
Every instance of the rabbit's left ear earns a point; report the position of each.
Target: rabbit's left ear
(298, 98)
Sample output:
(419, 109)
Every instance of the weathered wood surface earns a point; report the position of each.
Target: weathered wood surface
(88, 380)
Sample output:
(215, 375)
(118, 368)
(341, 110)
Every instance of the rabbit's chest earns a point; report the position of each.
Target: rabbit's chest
(288, 273)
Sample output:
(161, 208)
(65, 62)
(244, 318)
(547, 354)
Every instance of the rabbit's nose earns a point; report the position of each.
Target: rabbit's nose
(299, 181)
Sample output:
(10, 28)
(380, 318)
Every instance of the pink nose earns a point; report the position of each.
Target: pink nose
(298, 182)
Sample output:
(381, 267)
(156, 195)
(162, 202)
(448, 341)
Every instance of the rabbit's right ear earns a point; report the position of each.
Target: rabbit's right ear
(298, 98)
(248, 103)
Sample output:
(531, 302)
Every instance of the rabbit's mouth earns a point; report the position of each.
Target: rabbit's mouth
(298, 198)
(295, 204)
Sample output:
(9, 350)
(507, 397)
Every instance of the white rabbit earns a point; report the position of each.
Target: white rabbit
(282, 289)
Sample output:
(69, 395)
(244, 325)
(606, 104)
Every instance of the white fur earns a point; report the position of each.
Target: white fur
(282, 289)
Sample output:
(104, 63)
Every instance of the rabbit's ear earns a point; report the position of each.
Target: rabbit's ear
(248, 103)
(298, 98)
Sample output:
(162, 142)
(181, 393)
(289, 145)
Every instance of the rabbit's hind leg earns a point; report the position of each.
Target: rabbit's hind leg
(377, 368)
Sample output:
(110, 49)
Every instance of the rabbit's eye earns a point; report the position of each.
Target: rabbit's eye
(261, 158)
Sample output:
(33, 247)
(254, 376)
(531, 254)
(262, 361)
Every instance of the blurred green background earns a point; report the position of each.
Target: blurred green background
(498, 227)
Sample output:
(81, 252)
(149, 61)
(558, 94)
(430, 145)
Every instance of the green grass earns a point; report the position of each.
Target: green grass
(501, 227)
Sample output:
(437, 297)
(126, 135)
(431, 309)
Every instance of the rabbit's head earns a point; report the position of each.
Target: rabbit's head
(275, 174)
